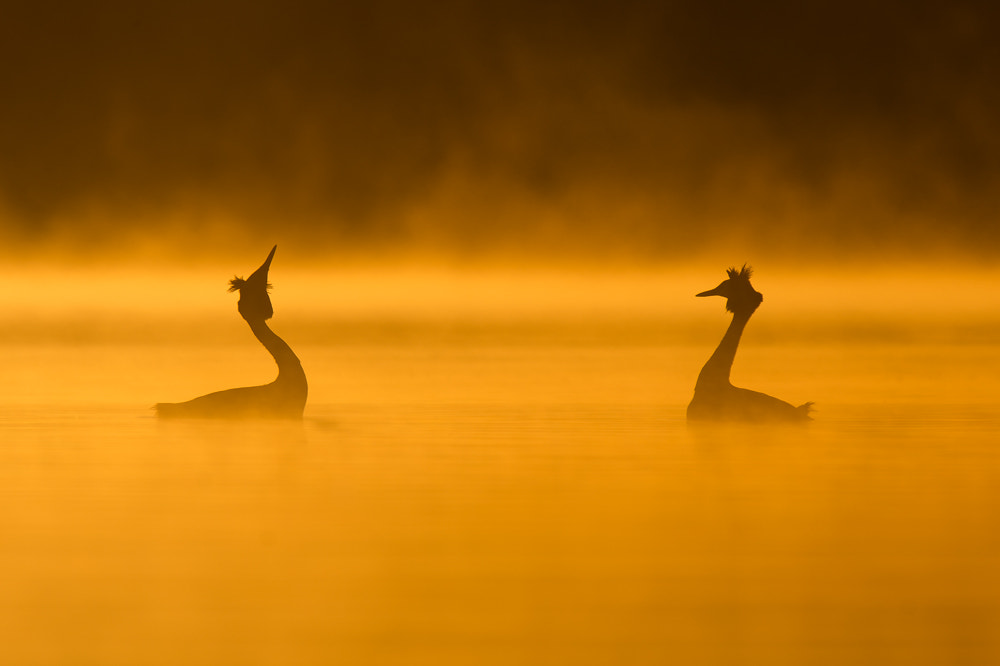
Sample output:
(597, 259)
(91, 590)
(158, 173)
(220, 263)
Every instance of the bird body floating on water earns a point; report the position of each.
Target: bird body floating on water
(715, 398)
(285, 397)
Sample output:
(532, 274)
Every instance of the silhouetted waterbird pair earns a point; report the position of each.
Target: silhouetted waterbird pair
(715, 398)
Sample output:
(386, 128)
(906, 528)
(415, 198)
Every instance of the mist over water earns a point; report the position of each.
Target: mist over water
(575, 130)
(492, 220)
(495, 466)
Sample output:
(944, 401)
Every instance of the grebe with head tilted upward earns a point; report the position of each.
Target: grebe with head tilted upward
(715, 398)
(285, 397)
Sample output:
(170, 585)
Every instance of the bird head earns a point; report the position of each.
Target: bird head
(740, 295)
(254, 301)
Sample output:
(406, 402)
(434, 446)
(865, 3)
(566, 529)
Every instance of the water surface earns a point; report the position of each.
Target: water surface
(453, 500)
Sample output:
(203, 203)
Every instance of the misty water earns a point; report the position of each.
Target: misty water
(459, 495)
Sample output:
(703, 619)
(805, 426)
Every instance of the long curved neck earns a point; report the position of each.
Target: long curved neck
(717, 369)
(289, 366)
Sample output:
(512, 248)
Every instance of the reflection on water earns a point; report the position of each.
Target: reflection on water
(498, 504)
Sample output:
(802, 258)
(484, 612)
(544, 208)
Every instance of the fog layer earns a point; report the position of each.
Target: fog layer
(501, 128)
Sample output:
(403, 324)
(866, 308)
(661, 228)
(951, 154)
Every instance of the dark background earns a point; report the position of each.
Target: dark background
(650, 131)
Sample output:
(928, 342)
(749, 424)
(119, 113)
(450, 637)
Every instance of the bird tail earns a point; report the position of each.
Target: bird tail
(805, 410)
(166, 409)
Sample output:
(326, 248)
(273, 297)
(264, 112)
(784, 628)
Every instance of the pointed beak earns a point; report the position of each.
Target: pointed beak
(710, 292)
(254, 302)
(260, 275)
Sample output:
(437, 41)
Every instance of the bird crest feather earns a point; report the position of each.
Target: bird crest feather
(238, 283)
(741, 274)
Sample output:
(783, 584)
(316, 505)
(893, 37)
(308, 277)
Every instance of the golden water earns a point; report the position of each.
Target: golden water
(495, 471)
(501, 502)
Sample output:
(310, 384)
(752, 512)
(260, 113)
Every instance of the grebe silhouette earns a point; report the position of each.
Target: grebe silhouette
(285, 397)
(715, 398)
